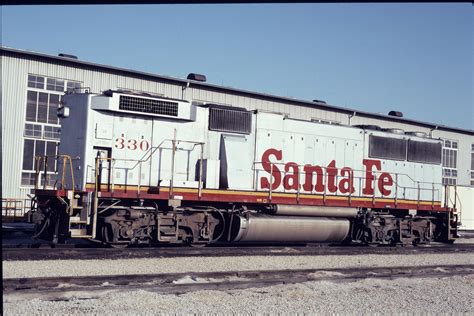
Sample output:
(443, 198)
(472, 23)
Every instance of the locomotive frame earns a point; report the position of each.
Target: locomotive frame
(281, 198)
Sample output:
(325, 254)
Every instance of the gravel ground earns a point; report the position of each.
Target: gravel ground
(404, 295)
(414, 296)
(17, 269)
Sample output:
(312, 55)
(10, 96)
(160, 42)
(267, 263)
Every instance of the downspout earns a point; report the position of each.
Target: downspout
(351, 116)
(433, 129)
(183, 89)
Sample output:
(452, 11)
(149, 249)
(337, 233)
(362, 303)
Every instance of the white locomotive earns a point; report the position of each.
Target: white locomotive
(135, 168)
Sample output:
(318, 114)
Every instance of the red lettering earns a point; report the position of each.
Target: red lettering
(267, 166)
(331, 171)
(308, 178)
(294, 177)
(132, 144)
(347, 184)
(144, 145)
(369, 176)
(120, 142)
(385, 179)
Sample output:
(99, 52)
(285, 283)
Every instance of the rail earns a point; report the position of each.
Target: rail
(418, 190)
(43, 172)
(400, 192)
(139, 163)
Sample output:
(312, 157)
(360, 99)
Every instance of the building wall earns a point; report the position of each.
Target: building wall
(15, 71)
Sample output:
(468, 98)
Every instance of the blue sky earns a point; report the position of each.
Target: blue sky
(415, 58)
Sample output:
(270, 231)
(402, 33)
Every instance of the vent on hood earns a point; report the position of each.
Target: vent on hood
(226, 119)
(128, 103)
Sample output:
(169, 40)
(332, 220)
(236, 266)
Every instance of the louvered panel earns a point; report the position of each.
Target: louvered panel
(227, 120)
(141, 105)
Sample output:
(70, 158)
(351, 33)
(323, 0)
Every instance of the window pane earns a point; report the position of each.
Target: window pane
(43, 107)
(447, 144)
(32, 81)
(53, 108)
(472, 161)
(40, 147)
(59, 85)
(33, 130)
(28, 159)
(50, 84)
(51, 132)
(40, 82)
(27, 178)
(51, 153)
(31, 106)
(454, 144)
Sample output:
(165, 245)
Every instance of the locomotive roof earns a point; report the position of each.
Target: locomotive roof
(146, 75)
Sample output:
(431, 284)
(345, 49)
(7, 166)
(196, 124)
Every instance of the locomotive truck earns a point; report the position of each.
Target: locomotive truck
(134, 168)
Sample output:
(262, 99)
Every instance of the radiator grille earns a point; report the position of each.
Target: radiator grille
(135, 104)
(227, 120)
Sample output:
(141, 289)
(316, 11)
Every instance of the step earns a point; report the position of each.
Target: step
(79, 233)
(76, 220)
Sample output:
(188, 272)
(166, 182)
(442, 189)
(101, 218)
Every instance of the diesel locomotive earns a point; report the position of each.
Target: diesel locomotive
(141, 169)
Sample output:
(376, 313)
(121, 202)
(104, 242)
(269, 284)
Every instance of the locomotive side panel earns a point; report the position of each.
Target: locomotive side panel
(307, 157)
(389, 156)
(75, 136)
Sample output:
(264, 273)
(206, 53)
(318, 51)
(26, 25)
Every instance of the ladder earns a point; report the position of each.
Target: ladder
(81, 212)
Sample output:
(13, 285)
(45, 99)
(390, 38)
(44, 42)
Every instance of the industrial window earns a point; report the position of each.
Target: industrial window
(28, 179)
(424, 152)
(42, 124)
(55, 84)
(51, 132)
(33, 130)
(53, 109)
(35, 82)
(387, 148)
(227, 119)
(31, 105)
(37, 147)
(450, 158)
(73, 86)
(152, 106)
(42, 107)
(28, 154)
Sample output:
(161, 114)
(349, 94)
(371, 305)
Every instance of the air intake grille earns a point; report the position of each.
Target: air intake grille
(148, 106)
(226, 120)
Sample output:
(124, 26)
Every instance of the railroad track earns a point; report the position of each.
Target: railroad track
(64, 288)
(169, 252)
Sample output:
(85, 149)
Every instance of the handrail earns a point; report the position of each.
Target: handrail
(139, 163)
(159, 146)
(42, 163)
(335, 168)
(17, 205)
(374, 173)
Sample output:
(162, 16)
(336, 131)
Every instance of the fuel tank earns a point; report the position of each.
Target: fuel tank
(306, 210)
(290, 229)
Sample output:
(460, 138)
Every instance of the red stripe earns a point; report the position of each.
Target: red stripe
(258, 199)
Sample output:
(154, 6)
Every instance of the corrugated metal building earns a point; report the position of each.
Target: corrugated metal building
(32, 84)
